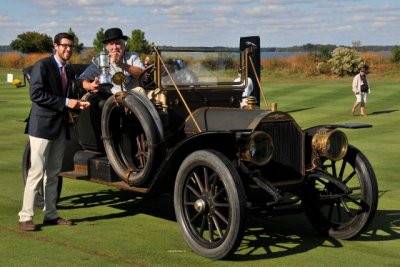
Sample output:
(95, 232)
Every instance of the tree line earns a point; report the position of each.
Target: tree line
(329, 47)
(339, 60)
(35, 42)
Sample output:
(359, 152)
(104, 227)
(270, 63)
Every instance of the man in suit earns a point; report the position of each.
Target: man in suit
(48, 129)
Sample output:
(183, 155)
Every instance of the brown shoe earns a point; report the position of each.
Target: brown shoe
(27, 226)
(58, 221)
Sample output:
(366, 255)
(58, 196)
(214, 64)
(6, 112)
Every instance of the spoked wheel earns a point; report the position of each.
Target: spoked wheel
(334, 211)
(26, 165)
(209, 201)
(131, 139)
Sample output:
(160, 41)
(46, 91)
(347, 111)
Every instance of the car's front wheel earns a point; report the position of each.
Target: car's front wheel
(209, 200)
(338, 213)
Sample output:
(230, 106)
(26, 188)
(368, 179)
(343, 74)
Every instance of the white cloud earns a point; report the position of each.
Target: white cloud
(150, 2)
(342, 28)
(173, 10)
(209, 22)
(89, 2)
(49, 24)
(5, 19)
(223, 9)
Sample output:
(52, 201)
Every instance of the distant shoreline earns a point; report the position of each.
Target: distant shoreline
(265, 54)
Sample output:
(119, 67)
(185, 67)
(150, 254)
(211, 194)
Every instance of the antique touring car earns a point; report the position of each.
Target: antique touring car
(185, 133)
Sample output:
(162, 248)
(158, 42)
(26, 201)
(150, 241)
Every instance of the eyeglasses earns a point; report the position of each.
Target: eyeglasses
(65, 46)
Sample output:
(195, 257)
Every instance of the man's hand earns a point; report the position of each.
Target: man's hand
(92, 87)
(78, 104)
(116, 57)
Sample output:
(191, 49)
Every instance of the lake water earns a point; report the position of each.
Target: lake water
(265, 55)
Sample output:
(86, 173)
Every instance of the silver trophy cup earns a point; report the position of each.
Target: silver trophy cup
(102, 61)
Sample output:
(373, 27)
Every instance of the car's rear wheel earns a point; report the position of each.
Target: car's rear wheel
(26, 165)
(334, 212)
(209, 201)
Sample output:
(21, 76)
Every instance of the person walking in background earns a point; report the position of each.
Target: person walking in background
(361, 89)
(129, 63)
(48, 129)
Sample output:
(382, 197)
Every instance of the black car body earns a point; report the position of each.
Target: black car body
(184, 132)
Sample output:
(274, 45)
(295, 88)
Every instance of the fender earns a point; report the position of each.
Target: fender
(311, 131)
(166, 174)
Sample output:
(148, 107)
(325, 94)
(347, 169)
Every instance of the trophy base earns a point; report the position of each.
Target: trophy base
(105, 86)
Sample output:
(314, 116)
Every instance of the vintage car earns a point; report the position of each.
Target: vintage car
(184, 132)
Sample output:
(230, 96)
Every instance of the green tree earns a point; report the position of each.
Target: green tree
(98, 41)
(78, 46)
(396, 54)
(345, 61)
(323, 53)
(138, 43)
(32, 42)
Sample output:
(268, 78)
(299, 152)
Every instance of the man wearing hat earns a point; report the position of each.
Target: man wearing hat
(129, 63)
(360, 88)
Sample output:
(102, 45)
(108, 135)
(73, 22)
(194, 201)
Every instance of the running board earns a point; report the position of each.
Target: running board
(95, 167)
(118, 184)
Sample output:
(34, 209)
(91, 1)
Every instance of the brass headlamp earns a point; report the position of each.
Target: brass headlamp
(257, 148)
(330, 143)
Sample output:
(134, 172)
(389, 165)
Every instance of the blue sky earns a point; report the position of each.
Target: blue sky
(279, 23)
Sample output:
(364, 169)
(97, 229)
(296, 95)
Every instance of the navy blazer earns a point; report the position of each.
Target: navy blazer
(48, 113)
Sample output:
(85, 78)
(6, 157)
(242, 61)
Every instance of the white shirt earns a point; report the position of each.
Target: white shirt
(246, 92)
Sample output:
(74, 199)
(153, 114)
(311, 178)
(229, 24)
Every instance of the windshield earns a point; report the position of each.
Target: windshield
(200, 68)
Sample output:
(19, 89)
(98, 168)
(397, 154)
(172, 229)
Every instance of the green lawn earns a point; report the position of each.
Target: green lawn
(117, 228)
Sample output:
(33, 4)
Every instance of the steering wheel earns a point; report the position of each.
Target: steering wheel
(146, 78)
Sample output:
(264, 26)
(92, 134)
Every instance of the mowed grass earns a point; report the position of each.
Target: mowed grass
(118, 228)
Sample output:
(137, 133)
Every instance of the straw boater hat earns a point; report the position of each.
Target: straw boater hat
(113, 34)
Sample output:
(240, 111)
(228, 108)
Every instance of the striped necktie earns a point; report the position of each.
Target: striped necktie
(64, 80)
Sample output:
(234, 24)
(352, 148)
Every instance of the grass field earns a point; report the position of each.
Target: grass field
(117, 228)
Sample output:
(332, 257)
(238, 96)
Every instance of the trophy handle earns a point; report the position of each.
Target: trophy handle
(95, 61)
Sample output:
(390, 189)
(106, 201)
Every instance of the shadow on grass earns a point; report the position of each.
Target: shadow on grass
(382, 112)
(281, 238)
(298, 110)
(384, 227)
(130, 203)
(270, 238)
(265, 237)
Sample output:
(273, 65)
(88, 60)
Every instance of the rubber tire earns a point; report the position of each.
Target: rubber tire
(349, 225)
(26, 164)
(114, 135)
(229, 179)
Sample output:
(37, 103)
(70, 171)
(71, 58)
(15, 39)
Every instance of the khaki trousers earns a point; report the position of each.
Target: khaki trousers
(46, 163)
